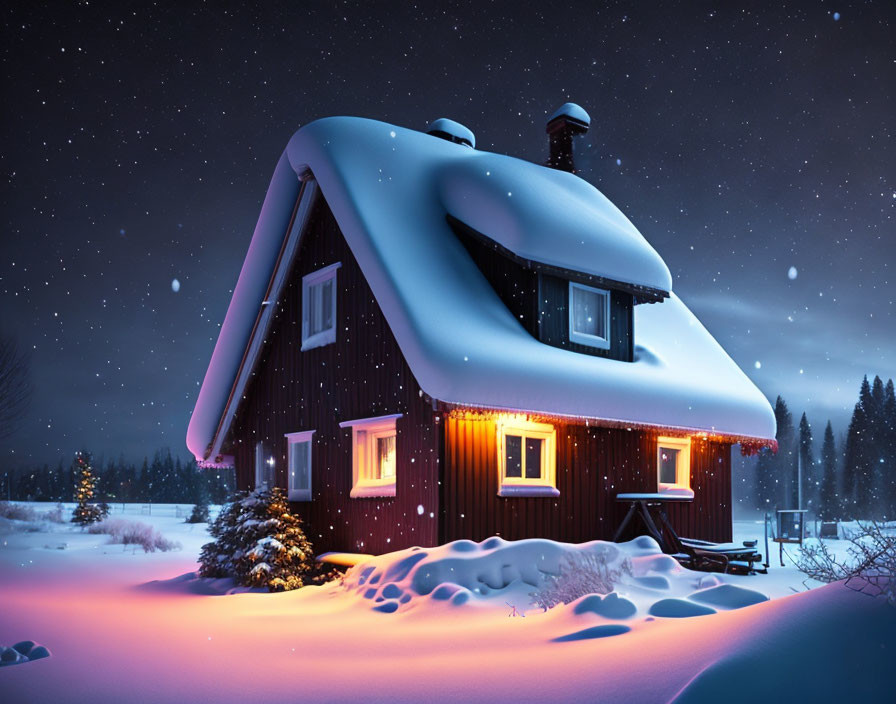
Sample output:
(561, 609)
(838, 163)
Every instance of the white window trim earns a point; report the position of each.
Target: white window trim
(682, 467)
(546, 485)
(364, 433)
(260, 469)
(295, 439)
(581, 337)
(324, 337)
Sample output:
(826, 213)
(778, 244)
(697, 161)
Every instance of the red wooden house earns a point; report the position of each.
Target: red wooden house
(429, 342)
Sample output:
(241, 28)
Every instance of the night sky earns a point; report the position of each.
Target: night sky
(138, 143)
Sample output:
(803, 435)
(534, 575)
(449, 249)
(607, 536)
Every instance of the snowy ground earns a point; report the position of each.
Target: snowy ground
(122, 627)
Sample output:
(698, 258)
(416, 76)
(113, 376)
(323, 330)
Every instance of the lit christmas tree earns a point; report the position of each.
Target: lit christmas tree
(85, 512)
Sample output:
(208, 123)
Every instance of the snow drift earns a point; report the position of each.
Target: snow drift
(616, 581)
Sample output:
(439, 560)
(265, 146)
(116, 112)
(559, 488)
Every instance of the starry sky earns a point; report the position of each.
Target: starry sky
(751, 144)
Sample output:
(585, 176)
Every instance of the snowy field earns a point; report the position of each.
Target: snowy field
(435, 625)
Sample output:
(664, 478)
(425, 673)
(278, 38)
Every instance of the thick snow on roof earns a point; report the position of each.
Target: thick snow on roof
(390, 189)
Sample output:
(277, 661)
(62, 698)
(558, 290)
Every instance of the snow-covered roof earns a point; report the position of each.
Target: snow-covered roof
(390, 189)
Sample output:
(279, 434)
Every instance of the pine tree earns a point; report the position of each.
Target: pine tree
(775, 472)
(85, 512)
(828, 501)
(807, 463)
(260, 543)
(199, 514)
(888, 442)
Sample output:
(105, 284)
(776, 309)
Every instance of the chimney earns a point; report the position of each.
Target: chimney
(451, 131)
(568, 121)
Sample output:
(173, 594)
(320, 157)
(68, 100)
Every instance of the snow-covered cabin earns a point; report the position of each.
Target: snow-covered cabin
(429, 342)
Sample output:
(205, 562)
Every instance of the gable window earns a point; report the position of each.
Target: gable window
(374, 455)
(527, 458)
(589, 316)
(319, 307)
(673, 463)
(265, 476)
(299, 455)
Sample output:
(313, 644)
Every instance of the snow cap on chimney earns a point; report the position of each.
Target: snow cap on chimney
(567, 121)
(452, 131)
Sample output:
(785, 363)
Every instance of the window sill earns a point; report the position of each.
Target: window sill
(511, 490)
(327, 337)
(676, 490)
(299, 495)
(367, 491)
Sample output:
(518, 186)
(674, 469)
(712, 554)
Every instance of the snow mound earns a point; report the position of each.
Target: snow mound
(22, 652)
(608, 581)
(728, 596)
(192, 583)
(679, 608)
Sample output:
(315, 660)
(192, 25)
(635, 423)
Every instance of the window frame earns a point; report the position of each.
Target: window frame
(546, 484)
(299, 438)
(365, 433)
(264, 468)
(682, 466)
(581, 338)
(318, 278)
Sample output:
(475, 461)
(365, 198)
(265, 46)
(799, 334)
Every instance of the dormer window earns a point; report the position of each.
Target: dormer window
(589, 316)
(319, 307)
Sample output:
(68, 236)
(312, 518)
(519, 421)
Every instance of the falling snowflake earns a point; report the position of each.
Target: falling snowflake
(758, 364)
(792, 273)
(175, 285)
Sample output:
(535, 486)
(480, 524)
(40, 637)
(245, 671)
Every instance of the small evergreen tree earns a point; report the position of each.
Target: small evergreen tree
(200, 510)
(828, 500)
(807, 463)
(260, 543)
(85, 512)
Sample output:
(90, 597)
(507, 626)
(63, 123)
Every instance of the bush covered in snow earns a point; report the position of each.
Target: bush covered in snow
(581, 573)
(17, 512)
(260, 543)
(125, 532)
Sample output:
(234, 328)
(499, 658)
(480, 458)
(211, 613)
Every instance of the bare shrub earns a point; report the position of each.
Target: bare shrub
(55, 514)
(17, 512)
(124, 532)
(870, 567)
(580, 573)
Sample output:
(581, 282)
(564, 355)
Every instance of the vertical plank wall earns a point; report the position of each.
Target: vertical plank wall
(593, 465)
(362, 374)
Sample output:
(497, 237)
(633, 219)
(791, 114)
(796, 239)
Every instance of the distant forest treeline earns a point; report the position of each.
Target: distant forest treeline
(852, 478)
(164, 479)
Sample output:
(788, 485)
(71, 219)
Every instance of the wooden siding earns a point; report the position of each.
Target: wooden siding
(362, 374)
(593, 465)
(553, 321)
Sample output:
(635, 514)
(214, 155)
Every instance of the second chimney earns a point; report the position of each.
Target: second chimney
(568, 121)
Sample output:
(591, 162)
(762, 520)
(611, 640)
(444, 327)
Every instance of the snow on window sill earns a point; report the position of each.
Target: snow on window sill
(677, 491)
(325, 337)
(524, 490)
(366, 491)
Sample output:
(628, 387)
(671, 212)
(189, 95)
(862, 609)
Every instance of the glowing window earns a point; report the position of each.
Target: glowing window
(673, 463)
(589, 316)
(299, 455)
(526, 458)
(374, 455)
(319, 307)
